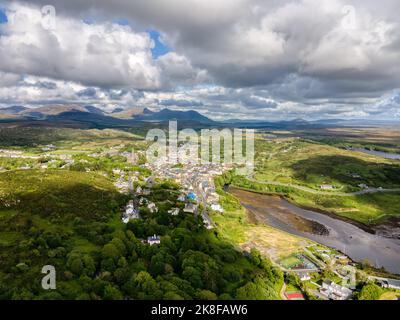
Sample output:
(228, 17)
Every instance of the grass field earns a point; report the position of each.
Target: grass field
(290, 262)
(236, 226)
(389, 296)
(67, 140)
(310, 164)
(296, 164)
(385, 139)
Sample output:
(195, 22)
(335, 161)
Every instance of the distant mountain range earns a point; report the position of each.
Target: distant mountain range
(168, 115)
(92, 114)
(134, 115)
(12, 110)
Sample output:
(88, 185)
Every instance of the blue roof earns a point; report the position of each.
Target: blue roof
(191, 196)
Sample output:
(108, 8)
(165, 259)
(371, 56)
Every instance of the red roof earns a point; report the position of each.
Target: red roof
(294, 296)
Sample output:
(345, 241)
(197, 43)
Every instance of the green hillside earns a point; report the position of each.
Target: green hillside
(71, 220)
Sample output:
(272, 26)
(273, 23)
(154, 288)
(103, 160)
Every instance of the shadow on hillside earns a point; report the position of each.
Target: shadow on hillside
(354, 172)
(346, 170)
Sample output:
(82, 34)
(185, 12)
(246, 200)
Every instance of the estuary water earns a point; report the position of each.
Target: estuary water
(356, 243)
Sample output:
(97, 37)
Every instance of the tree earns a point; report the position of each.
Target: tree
(110, 251)
(76, 266)
(145, 287)
(172, 296)
(249, 291)
(112, 293)
(89, 265)
(255, 256)
(108, 265)
(207, 295)
(122, 275)
(370, 291)
(193, 275)
(259, 289)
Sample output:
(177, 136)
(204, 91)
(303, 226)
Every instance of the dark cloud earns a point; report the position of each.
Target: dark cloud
(180, 103)
(310, 57)
(88, 92)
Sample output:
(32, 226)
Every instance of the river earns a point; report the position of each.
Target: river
(356, 243)
(386, 155)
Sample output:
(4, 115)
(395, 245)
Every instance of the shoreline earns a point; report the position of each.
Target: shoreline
(360, 225)
(254, 217)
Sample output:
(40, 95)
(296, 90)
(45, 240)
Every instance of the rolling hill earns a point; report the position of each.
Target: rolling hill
(79, 112)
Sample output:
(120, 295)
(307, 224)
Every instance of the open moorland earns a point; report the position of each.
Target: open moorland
(358, 186)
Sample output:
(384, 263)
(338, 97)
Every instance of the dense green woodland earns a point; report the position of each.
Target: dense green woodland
(72, 220)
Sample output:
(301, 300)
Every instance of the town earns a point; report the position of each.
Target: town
(320, 272)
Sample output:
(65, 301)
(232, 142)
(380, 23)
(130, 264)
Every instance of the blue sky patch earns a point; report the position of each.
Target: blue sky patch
(3, 17)
(122, 22)
(160, 48)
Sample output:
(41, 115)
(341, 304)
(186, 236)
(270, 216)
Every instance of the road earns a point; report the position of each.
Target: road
(328, 193)
(202, 198)
(282, 292)
(397, 281)
(204, 213)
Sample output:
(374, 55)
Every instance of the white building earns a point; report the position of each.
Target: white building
(174, 211)
(146, 192)
(116, 171)
(190, 208)
(334, 291)
(153, 240)
(217, 207)
(326, 187)
(304, 276)
(131, 212)
(152, 207)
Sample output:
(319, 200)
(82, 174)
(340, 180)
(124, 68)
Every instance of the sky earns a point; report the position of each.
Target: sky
(227, 59)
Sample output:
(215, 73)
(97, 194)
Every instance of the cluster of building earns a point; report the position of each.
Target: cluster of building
(196, 178)
(10, 153)
(317, 259)
(389, 283)
(124, 182)
(193, 176)
(335, 291)
(132, 208)
(48, 147)
(53, 158)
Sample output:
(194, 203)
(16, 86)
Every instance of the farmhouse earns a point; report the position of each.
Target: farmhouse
(153, 240)
(131, 212)
(152, 207)
(217, 207)
(304, 276)
(190, 208)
